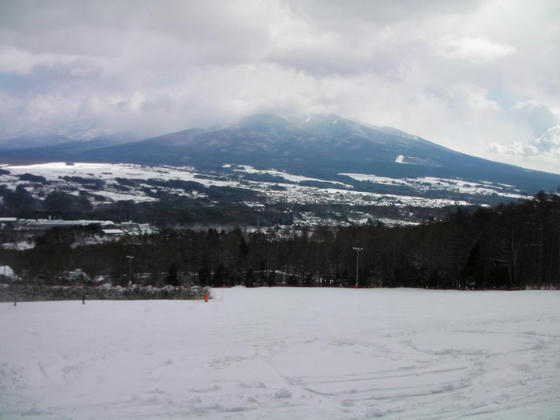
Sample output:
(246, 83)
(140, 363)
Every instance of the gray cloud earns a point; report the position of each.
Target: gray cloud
(549, 142)
(542, 152)
(538, 116)
(464, 74)
(339, 14)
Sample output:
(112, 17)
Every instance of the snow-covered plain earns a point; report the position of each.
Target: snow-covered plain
(285, 353)
(282, 174)
(428, 183)
(292, 191)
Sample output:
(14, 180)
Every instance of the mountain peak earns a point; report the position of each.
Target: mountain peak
(263, 121)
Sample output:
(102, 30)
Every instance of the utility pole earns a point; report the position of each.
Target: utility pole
(130, 258)
(357, 249)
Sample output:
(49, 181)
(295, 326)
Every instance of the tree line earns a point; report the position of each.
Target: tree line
(507, 247)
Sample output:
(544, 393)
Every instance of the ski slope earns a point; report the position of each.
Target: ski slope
(285, 353)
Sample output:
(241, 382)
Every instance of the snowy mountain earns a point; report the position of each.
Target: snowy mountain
(266, 160)
(317, 146)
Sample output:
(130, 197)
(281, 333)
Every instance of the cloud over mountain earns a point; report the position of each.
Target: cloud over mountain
(466, 74)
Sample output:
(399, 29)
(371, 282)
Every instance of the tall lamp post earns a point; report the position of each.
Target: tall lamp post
(130, 258)
(357, 249)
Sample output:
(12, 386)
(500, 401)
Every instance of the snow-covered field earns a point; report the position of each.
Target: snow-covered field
(285, 353)
(291, 190)
(444, 184)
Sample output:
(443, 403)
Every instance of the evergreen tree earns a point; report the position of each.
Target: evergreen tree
(250, 278)
(204, 275)
(172, 278)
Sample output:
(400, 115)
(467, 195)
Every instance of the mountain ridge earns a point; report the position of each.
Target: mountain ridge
(320, 145)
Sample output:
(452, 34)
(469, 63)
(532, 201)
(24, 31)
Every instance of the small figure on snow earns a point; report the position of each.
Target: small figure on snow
(84, 299)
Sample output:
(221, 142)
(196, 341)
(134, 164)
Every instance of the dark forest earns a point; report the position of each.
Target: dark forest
(507, 247)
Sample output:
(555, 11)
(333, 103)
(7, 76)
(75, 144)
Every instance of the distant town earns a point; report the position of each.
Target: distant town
(20, 234)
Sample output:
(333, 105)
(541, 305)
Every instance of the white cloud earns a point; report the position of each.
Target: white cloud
(21, 62)
(549, 142)
(541, 153)
(464, 74)
(474, 99)
(473, 49)
(537, 115)
(516, 148)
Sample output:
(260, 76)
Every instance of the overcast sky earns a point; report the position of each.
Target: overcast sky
(481, 77)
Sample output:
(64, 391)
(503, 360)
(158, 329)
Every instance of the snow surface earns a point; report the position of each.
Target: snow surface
(285, 175)
(18, 246)
(285, 353)
(443, 184)
(109, 171)
(6, 271)
(292, 192)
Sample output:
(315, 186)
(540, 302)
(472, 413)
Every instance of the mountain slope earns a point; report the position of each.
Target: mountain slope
(320, 146)
(323, 146)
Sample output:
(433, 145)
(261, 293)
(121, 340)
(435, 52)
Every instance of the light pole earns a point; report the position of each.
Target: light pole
(130, 258)
(357, 249)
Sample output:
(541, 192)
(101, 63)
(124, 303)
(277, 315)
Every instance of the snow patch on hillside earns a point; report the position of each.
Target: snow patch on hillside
(294, 193)
(291, 192)
(109, 173)
(443, 184)
(285, 175)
